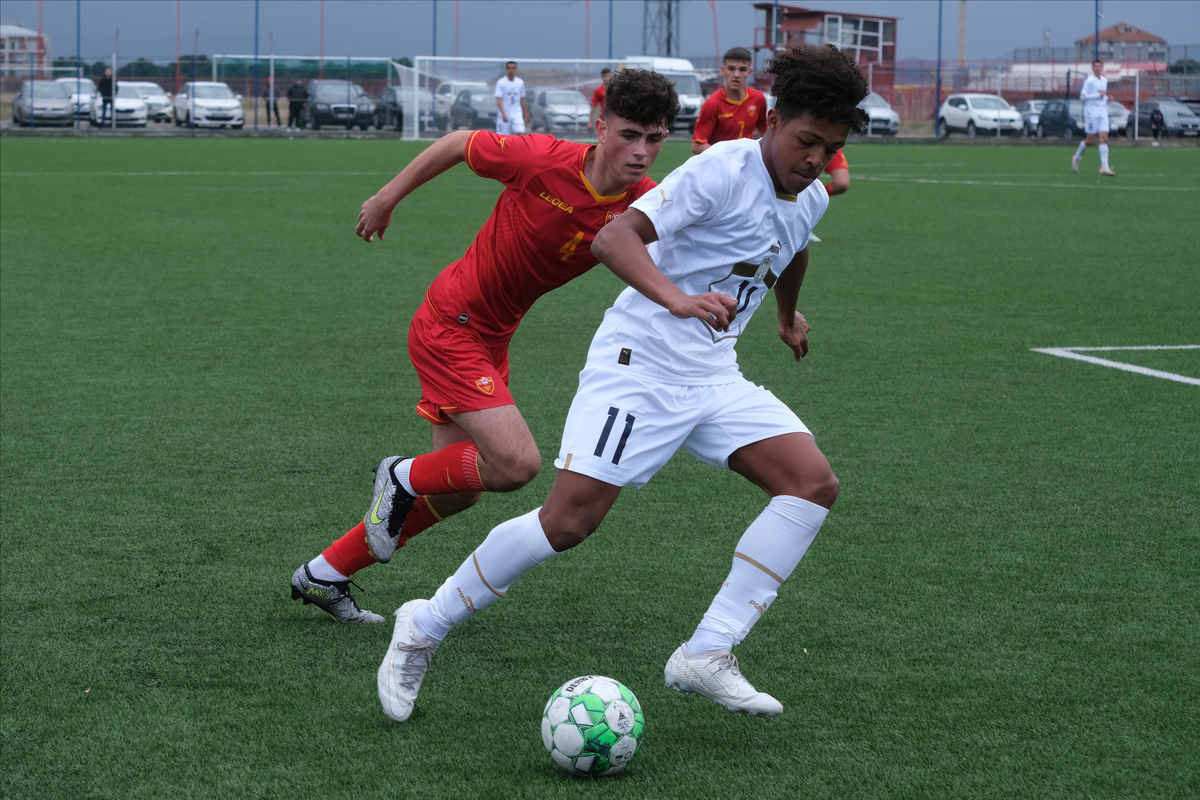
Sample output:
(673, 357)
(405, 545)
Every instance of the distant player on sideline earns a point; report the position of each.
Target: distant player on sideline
(662, 373)
(734, 111)
(598, 98)
(839, 183)
(510, 99)
(558, 195)
(1094, 95)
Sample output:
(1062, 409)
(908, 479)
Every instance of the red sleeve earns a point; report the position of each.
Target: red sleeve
(760, 124)
(837, 162)
(598, 96)
(705, 122)
(508, 159)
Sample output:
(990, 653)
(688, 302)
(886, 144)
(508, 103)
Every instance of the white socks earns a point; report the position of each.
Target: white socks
(766, 555)
(400, 471)
(1080, 150)
(322, 570)
(510, 550)
(1104, 155)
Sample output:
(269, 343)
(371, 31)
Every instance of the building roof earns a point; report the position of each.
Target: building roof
(16, 30)
(794, 18)
(1122, 32)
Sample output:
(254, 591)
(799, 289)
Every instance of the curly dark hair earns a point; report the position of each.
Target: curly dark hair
(822, 81)
(642, 96)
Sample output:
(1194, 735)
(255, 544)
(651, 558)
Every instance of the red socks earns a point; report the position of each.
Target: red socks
(453, 469)
(350, 553)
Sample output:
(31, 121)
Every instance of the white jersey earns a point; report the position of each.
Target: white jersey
(721, 227)
(1092, 95)
(511, 92)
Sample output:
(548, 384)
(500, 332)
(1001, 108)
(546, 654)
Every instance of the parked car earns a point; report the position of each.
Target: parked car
(1062, 118)
(973, 113)
(208, 103)
(80, 91)
(447, 92)
(128, 107)
(559, 110)
(1118, 120)
(42, 103)
(884, 118)
(1179, 118)
(158, 102)
(473, 108)
(395, 103)
(1030, 111)
(341, 103)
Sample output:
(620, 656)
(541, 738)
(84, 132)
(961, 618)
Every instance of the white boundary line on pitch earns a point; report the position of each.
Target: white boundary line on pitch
(1074, 352)
(1027, 184)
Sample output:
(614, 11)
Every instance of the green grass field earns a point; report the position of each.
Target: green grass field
(201, 363)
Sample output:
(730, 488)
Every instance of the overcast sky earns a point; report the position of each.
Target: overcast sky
(553, 28)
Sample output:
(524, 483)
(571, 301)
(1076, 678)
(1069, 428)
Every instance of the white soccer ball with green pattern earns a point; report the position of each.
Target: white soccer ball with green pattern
(592, 725)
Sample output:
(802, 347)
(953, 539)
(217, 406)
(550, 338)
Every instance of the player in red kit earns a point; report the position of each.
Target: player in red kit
(558, 195)
(735, 111)
(598, 98)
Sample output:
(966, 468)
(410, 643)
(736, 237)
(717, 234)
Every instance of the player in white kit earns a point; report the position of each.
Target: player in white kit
(510, 99)
(723, 229)
(1094, 95)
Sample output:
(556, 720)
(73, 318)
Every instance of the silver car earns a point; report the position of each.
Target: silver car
(884, 118)
(1118, 120)
(1030, 112)
(158, 102)
(42, 103)
(559, 110)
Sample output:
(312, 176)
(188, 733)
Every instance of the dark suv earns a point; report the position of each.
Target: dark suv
(339, 103)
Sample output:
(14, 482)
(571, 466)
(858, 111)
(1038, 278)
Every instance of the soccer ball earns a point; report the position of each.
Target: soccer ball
(592, 725)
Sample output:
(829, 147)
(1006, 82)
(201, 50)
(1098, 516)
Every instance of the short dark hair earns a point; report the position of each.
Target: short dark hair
(737, 54)
(642, 96)
(605, 71)
(506, 63)
(1098, 61)
(821, 81)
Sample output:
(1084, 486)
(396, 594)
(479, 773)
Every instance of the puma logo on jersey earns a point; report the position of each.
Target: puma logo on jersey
(554, 201)
(664, 198)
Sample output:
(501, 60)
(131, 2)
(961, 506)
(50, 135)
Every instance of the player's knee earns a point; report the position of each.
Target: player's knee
(569, 530)
(514, 470)
(824, 491)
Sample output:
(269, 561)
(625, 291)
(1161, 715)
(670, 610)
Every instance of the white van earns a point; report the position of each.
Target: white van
(683, 75)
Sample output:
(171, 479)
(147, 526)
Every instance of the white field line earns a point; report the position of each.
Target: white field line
(1074, 352)
(1026, 184)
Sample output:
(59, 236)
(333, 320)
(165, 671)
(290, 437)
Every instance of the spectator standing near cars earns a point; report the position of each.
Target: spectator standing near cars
(272, 98)
(105, 89)
(598, 99)
(296, 98)
(510, 99)
(1094, 95)
(1157, 123)
(734, 111)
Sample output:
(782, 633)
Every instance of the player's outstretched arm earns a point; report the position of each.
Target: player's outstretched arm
(793, 328)
(376, 213)
(621, 246)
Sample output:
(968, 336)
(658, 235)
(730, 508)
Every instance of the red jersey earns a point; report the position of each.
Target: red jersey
(837, 162)
(538, 237)
(721, 119)
(598, 97)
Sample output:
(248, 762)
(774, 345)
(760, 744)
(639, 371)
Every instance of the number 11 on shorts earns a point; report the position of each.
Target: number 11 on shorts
(613, 412)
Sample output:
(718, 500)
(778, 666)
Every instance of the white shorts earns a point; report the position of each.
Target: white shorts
(622, 429)
(1094, 123)
(515, 124)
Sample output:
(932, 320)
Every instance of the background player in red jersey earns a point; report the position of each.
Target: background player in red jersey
(558, 195)
(735, 111)
(598, 98)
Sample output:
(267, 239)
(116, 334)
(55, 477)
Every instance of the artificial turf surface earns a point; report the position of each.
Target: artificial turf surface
(200, 363)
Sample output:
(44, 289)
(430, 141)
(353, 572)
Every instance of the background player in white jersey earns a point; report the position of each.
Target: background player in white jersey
(1094, 95)
(662, 373)
(510, 99)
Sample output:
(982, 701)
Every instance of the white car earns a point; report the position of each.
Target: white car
(884, 118)
(447, 92)
(81, 91)
(158, 102)
(127, 106)
(208, 103)
(1031, 111)
(1118, 120)
(973, 113)
(42, 103)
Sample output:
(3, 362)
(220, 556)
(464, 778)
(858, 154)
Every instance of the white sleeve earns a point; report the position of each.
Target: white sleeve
(499, 92)
(694, 193)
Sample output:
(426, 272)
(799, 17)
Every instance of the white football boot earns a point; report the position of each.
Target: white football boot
(405, 664)
(715, 675)
(1075, 163)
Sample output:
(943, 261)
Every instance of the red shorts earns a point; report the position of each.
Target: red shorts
(458, 369)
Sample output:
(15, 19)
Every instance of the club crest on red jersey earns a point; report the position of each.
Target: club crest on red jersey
(610, 216)
(486, 385)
